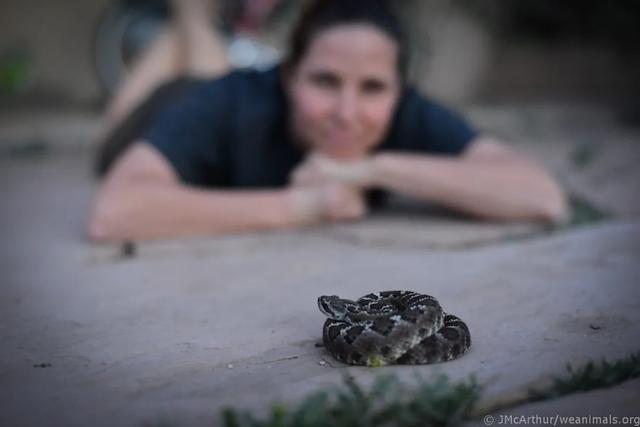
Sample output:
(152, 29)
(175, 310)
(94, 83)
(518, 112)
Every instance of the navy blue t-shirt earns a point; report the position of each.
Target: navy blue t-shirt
(232, 132)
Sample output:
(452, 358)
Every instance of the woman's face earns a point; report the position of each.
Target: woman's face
(344, 90)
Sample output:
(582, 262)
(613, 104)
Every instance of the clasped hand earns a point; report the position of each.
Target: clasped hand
(323, 189)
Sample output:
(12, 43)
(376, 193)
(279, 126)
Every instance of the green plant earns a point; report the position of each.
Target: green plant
(585, 212)
(387, 403)
(584, 155)
(590, 376)
(14, 71)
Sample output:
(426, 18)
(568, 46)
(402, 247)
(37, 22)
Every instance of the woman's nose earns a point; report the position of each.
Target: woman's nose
(347, 106)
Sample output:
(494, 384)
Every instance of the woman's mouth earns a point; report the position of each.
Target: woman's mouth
(341, 138)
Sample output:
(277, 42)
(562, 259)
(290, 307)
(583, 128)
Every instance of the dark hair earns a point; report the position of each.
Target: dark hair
(320, 15)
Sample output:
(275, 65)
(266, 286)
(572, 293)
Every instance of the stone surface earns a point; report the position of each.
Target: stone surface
(183, 328)
(55, 129)
(617, 405)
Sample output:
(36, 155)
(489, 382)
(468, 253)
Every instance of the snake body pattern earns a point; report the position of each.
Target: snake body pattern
(391, 327)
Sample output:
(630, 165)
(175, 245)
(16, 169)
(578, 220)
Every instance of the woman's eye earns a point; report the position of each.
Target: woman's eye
(373, 86)
(324, 80)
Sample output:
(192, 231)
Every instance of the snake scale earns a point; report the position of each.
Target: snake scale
(392, 327)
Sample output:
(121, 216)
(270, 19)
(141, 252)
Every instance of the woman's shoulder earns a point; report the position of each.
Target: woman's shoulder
(423, 123)
(417, 106)
(414, 98)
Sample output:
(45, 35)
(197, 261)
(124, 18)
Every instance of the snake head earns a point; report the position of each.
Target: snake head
(337, 308)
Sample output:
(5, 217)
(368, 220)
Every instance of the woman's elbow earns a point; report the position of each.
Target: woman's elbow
(97, 229)
(106, 220)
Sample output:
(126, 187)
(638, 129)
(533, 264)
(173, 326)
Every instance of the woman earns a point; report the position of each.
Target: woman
(303, 143)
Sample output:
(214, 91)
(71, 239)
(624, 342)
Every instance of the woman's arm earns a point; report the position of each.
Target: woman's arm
(142, 198)
(490, 180)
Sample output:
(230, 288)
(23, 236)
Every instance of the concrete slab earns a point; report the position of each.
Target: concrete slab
(186, 327)
(402, 225)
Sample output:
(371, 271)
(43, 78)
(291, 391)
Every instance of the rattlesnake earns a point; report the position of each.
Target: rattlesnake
(388, 327)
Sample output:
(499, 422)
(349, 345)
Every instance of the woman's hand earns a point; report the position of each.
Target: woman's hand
(327, 202)
(323, 189)
(318, 169)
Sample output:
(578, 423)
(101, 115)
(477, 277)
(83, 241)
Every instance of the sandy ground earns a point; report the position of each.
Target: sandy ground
(183, 328)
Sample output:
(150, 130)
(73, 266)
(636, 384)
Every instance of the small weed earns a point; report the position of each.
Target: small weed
(591, 376)
(15, 71)
(585, 212)
(387, 403)
(584, 155)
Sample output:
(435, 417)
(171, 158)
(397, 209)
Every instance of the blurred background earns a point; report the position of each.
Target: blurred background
(71, 53)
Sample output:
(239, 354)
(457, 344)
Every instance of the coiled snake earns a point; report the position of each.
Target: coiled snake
(382, 328)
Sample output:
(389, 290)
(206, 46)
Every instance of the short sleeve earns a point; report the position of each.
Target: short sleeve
(423, 125)
(191, 132)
